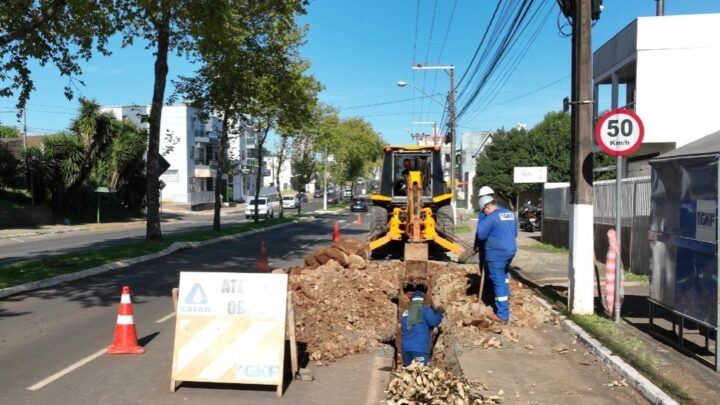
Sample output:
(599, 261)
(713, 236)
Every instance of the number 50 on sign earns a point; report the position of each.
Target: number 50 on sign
(619, 132)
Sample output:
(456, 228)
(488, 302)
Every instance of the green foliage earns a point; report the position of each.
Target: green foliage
(252, 72)
(352, 143)
(8, 168)
(546, 144)
(7, 131)
(57, 32)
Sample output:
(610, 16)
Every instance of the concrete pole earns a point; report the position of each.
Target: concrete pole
(451, 130)
(580, 272)
(660, 8)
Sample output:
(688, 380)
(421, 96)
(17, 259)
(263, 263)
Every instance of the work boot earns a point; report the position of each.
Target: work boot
(493, 317)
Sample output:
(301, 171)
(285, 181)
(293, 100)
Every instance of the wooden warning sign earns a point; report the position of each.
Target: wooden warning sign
(230, 328)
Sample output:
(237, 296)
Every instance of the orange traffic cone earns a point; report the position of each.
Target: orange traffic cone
(125, 339)
(262, 265)
(359, 219)
(336, 232)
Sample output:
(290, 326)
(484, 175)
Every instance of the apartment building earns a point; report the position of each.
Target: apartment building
(191, 147)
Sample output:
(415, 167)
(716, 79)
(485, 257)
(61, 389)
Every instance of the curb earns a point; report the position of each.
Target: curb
(649, 390)
(174, 247)
(47, 232)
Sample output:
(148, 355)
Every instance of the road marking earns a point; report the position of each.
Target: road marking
(372, 392)
(67, 370)
(165, 318)
(17, 240)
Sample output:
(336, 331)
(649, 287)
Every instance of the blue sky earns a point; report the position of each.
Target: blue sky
(360, 49)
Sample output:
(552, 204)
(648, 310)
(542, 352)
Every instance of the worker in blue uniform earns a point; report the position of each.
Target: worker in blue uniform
(479, 245)
(417, 323)
(499, 230)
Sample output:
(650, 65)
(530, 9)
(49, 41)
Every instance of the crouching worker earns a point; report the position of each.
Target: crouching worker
(417, 323)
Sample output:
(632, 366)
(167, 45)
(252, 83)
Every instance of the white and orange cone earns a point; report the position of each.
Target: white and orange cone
(125, 339)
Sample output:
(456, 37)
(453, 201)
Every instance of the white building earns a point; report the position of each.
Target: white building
(665, 69)
(189, 145)
(242, 152)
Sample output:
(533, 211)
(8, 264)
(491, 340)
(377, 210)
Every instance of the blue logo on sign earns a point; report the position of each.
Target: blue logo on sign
(196, 296)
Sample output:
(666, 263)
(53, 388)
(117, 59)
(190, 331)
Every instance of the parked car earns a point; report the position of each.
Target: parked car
(264, 208)
(302, 197)
(332, 198)
(289, 201)
(318, 194)
(359, 204)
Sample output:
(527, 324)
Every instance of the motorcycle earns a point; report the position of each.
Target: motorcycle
(530, 217)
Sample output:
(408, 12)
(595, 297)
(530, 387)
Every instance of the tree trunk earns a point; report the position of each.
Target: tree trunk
(153, 231)
(280, 161)
(218, 176)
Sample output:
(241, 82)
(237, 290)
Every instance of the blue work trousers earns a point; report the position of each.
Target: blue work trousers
(501, 283)
(408, 358)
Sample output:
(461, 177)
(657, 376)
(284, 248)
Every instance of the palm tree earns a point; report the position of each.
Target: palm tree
(95, 131)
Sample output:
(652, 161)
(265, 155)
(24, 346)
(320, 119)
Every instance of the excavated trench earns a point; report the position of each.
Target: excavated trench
(347, 304)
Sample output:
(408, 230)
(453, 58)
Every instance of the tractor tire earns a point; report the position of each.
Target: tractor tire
(444, 222)
(378, 220)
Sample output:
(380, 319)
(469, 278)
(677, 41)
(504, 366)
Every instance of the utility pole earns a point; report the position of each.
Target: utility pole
(451, 132)
(450, 69)
(581, 266)
(660, 8)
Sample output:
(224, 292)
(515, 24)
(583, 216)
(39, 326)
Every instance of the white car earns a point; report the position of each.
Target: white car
(289, 201)
(264, 208)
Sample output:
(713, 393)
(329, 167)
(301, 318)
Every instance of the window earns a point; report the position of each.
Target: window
(209, 184)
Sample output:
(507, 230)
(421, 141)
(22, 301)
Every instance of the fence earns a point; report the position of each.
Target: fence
(635, 218)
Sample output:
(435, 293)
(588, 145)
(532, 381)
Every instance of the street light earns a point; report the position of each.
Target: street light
(450, 70)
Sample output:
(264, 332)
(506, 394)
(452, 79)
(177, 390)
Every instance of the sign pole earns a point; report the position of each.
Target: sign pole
(98, 208)
(618, 231)
(619, 133)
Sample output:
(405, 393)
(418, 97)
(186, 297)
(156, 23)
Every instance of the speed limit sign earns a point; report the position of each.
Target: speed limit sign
(619, 132)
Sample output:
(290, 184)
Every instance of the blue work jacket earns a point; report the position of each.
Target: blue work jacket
(498, 230)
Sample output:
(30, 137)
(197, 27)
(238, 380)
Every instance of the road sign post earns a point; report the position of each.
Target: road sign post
(619, 132)
(100, 190)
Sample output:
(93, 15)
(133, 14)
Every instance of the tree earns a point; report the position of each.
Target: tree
(95, 130)
(356, 143)
(280, 159)
(546, 144)
(122, 165)
(246, 54)
(60, 32)
(8, 167)
(285, 100)
(167, 25)
(7, 131)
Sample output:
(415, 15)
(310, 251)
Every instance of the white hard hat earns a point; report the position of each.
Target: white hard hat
(485, 190)
(485, 200)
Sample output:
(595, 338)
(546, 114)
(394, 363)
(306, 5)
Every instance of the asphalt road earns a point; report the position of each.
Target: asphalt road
(53, 340)
(20, 248)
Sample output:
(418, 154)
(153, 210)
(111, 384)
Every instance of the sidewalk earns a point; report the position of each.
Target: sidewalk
(547, 272)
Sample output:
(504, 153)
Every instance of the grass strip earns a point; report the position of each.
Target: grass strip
(340, 206)
(463, 229)
(26, 271)
(631, 349)
(546, 248)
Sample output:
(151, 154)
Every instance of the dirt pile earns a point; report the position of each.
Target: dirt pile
(343, 304)
(417, 384)
(467, 322)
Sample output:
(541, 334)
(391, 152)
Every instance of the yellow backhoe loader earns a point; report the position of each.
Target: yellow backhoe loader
(413, 207)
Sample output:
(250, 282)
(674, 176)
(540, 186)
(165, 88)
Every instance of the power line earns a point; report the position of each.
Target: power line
(353, 107)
